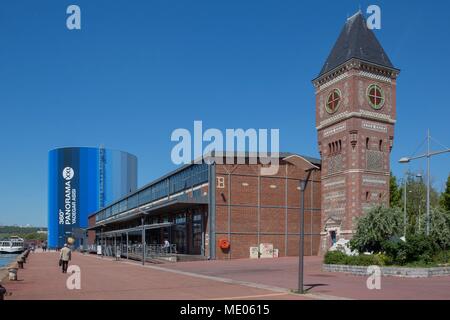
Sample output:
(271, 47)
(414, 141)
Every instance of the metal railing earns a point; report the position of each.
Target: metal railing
(135, 250)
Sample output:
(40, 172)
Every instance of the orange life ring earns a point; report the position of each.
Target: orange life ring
(224, 244)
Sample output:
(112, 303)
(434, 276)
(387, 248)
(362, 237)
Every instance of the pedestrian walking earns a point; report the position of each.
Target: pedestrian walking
(166, 246)
(118, 253)
(64, 257)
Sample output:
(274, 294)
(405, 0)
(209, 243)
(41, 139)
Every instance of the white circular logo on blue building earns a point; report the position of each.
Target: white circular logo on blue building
(68, 173)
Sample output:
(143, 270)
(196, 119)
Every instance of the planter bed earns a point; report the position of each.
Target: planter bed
(406, 272)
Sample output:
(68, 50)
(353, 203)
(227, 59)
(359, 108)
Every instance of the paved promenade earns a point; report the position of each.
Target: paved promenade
(107, 279)
(283, 272)
(103, 278)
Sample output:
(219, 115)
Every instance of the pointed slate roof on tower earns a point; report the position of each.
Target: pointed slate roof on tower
(356, 41)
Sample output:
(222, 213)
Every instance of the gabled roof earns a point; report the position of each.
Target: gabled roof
(282, 155)
(356, 41)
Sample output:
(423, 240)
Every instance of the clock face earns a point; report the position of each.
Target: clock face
(375, 96)
(333, 101)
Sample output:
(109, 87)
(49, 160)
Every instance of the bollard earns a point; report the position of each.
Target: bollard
(2, 292)
(12, 274)
(20, 263)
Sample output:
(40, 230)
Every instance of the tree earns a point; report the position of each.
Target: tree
(440, 227)
(445, 196)
(395, 193)
(377, 226)
(416, 195)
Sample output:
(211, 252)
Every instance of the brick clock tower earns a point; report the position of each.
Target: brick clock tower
(355, 117)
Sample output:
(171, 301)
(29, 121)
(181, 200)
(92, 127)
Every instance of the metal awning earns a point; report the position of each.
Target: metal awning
(168, 206)
(138, 229)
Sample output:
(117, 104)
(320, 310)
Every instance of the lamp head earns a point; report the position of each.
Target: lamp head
(404, 160)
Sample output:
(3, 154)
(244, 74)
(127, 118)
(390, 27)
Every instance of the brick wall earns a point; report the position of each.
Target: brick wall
(253, 209)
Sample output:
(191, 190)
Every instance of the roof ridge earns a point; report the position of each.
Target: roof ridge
(357, 41)
(359, 12)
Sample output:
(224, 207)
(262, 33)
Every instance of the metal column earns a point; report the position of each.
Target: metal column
(127, 245)
(212, 210)
(302, 237)
(143, 241)
(428, 182)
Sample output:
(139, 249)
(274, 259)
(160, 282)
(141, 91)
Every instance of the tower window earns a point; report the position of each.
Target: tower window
(367, 143)
(380, 145)
(333, 101)
(375, 96)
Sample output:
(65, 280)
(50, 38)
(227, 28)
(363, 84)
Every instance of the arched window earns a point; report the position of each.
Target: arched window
(367, 195)
(380, 145)
(340, 145)
(367, 143)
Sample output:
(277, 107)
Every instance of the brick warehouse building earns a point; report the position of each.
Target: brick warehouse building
(246, 209)
(355, 117)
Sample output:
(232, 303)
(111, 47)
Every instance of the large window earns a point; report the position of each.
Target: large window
(133, 201)
(197, 233)
(179, 233)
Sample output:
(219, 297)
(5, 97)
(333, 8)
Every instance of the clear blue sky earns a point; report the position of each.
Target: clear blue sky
(140, 69)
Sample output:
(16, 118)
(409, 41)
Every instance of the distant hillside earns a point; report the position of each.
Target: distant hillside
(29, 233)
(23, 230)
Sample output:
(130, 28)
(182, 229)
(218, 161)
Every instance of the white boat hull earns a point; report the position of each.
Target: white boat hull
(12, 245)
(11, 250)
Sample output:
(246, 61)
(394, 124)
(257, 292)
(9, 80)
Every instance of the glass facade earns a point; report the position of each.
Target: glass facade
(189, 177)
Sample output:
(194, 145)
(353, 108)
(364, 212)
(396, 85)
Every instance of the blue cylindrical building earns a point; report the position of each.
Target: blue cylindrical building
(81, 181)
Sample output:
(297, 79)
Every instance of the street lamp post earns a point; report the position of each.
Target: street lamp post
(428, 182)
(143, 235)
(427, 155)
(301, 252)
(404, 207)
(419, 175)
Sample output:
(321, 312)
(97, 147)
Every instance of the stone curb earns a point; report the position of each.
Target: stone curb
(390, 271)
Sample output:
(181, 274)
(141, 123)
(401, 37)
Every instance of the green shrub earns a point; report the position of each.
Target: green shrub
(417, 248)
(396, 250)
(363, 260)
(442, 257)
(440, 227)
(374, 228)
(383, 259)
(335, 257)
